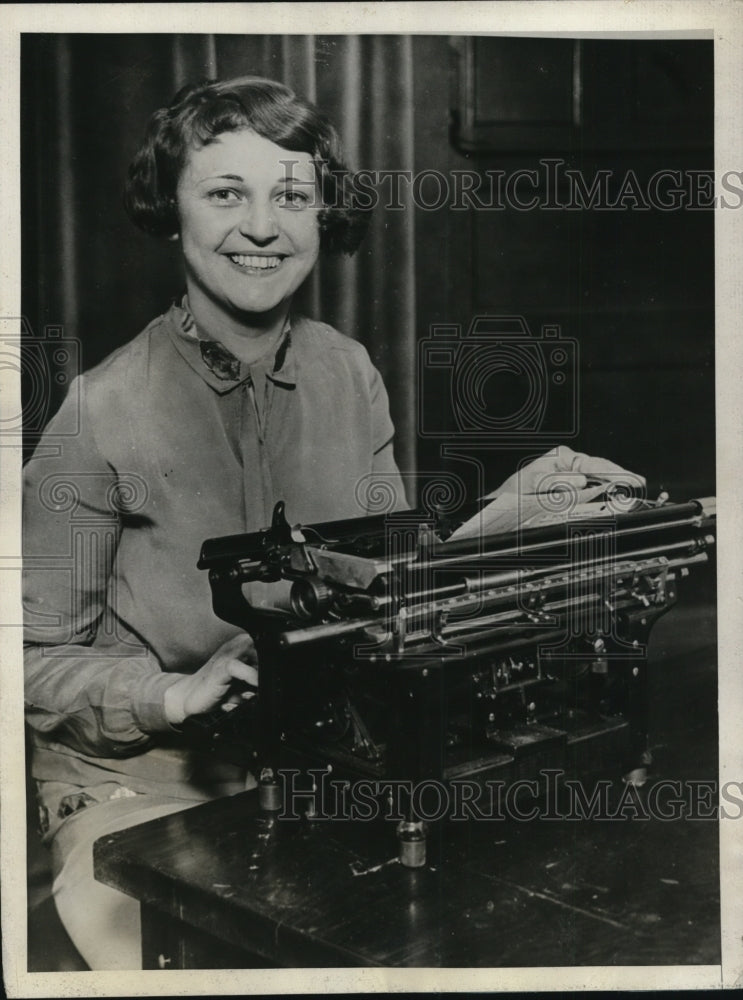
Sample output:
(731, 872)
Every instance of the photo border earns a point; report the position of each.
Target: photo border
(583, 18)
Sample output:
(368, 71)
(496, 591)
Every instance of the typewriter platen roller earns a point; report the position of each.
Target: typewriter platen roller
(404, 656)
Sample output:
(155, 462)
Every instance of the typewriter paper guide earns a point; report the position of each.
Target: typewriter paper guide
(513, 511)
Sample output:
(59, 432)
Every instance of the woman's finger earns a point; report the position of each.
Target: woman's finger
(239, 647)
(242, 672)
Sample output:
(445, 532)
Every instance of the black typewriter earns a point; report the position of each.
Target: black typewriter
(409, 653)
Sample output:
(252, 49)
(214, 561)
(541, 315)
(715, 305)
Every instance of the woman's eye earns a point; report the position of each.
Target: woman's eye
(293, 199)
(224, 195)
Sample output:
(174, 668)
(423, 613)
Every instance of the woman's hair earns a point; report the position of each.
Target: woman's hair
(200, 113)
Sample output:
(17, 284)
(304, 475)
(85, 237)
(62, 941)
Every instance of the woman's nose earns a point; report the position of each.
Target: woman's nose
(258, 222)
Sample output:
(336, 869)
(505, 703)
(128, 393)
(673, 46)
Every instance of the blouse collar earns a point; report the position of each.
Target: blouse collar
(217, 365)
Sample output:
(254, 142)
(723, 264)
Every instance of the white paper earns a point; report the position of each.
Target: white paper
(512, 511)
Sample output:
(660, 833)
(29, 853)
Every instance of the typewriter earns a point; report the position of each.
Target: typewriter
(412, 652)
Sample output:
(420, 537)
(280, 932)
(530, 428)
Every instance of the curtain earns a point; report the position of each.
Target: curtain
(85, 103)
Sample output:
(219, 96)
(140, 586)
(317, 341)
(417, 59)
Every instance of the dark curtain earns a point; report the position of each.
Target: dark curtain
(86, 100)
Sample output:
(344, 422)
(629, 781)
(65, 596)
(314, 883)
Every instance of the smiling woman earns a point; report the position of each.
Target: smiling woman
(221, 407)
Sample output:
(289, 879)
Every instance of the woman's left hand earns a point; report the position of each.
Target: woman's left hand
(564, 468)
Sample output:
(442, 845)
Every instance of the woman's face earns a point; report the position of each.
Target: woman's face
(249, 225)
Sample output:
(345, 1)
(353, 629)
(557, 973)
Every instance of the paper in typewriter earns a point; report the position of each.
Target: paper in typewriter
(513, 511)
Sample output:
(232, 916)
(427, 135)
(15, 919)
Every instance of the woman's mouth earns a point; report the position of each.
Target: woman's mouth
(254, 262)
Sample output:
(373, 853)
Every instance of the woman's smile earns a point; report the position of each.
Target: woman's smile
(248, 212)
(256, 263)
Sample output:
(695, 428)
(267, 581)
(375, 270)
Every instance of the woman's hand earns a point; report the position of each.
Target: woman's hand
(218, 682)
(563, 467)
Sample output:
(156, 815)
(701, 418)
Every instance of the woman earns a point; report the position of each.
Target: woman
(219, 408)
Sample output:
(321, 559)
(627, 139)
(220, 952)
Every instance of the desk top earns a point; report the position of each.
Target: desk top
(494, 892)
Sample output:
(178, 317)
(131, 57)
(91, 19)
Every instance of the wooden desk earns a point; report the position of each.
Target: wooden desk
(224, 886)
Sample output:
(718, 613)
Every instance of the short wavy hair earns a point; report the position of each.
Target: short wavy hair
(200, 113)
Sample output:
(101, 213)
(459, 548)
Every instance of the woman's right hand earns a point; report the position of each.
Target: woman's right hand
(218, 682)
